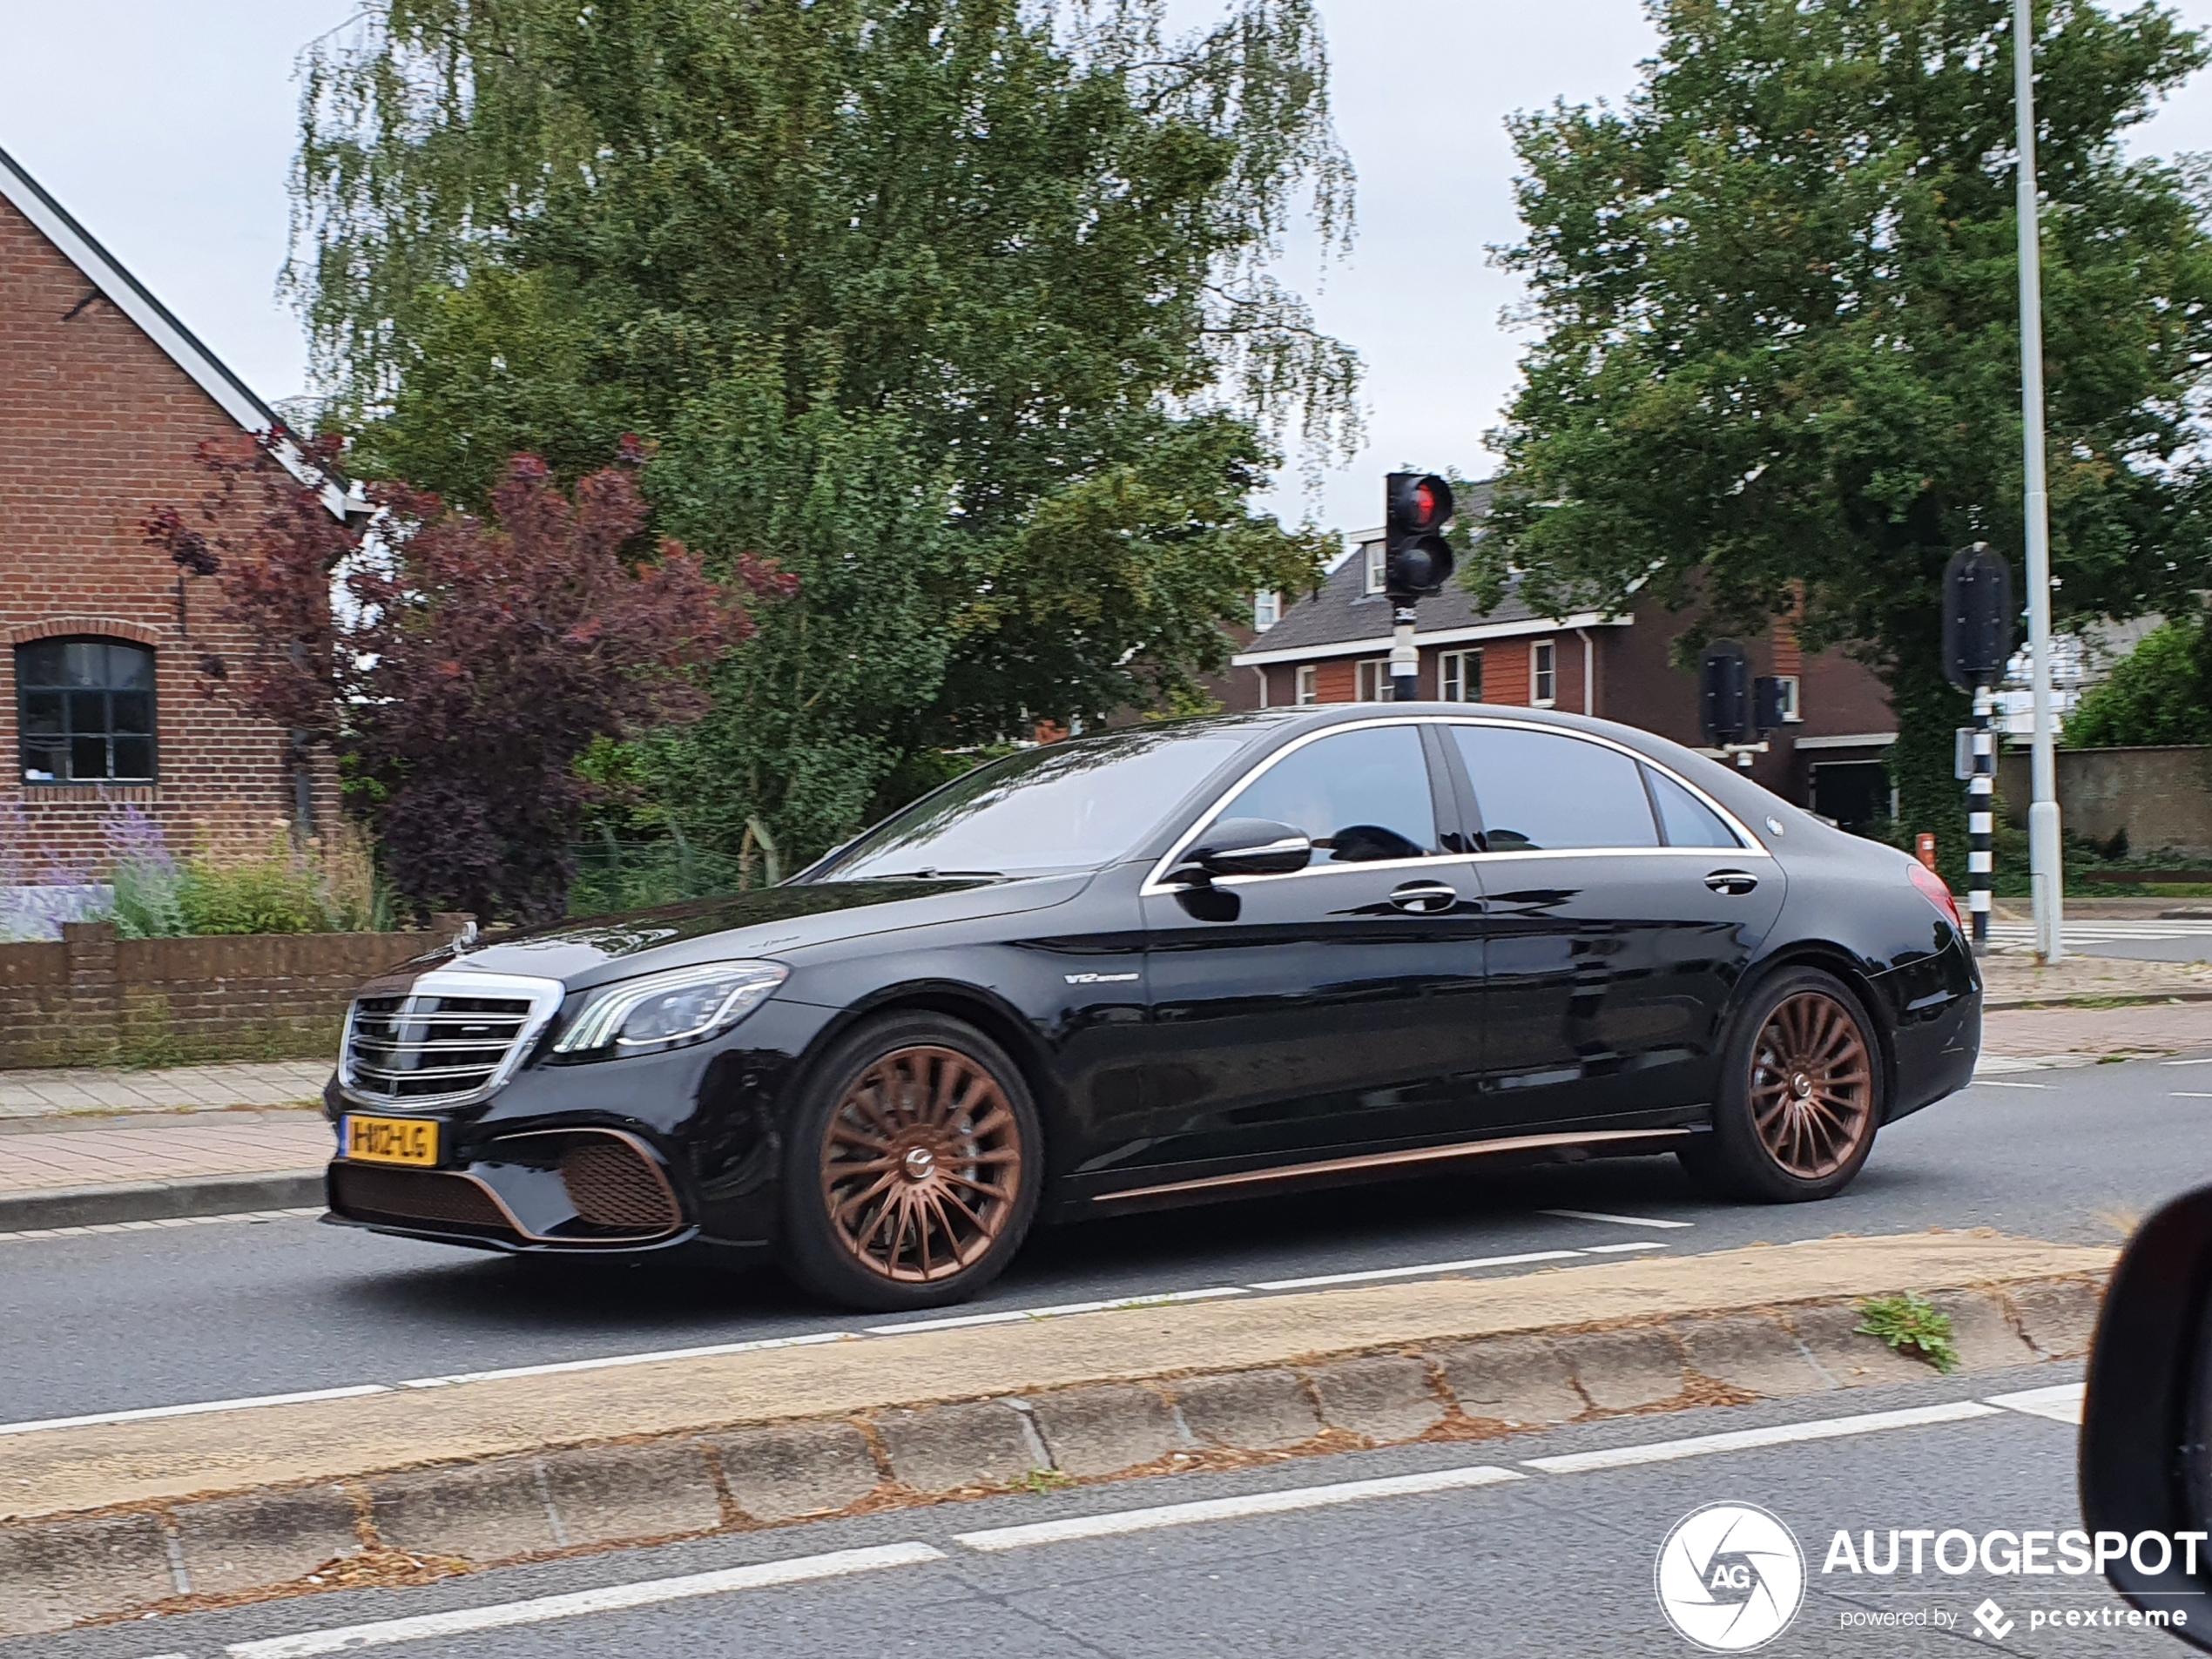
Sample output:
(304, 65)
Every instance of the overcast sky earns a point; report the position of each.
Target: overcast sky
(167, 128)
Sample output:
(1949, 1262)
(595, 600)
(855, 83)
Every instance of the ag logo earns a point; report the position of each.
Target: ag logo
(1730, 1577)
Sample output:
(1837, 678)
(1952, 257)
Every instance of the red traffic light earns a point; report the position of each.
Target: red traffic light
(1418, 502)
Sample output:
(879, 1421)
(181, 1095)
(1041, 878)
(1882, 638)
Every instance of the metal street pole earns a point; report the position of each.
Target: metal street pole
(1405, 655)
(2043, 845)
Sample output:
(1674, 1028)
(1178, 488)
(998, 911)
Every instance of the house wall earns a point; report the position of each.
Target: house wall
(101, 427)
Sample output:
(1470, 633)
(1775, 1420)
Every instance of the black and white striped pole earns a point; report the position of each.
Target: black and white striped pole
(1417, 560)
(1981, 806)
(1977, 644)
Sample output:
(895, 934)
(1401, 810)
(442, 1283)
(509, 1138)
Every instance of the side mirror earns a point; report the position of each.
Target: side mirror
(1244, 846)
(2145, 1466)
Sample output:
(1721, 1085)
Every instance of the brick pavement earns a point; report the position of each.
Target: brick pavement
(176, 1088)
(2158, 1028)
(46, 1161)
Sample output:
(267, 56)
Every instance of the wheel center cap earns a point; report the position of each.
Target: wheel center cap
(921, 1164)
(1803, 1084)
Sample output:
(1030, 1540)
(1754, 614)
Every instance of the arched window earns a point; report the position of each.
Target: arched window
(84, 709)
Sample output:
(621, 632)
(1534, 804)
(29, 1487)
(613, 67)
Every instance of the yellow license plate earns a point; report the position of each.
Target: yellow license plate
(391, 1140)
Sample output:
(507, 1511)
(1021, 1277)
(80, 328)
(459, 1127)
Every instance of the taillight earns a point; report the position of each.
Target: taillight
(1932, 889)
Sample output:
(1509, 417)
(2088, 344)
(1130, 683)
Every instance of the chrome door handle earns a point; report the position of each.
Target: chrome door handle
(1734, 883)
(1425, 898)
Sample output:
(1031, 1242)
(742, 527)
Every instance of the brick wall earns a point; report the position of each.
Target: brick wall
(100, 427)
(95, 1000)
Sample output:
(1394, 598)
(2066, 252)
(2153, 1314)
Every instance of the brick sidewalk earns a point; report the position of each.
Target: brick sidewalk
(176, 1088)
(47, 1160)
(2158, 1028)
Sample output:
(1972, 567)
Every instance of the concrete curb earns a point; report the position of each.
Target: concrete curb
(400, 1526)
(207, 1194)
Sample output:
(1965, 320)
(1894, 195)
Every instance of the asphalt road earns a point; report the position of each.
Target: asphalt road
(117, 1322)
(1538, 1560)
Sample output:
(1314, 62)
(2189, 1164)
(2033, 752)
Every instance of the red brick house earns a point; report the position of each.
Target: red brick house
(104, 398)
(1333, 646)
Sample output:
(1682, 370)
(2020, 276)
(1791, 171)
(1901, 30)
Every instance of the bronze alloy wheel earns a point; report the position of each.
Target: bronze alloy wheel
(1813, 1085)
(921, 1164)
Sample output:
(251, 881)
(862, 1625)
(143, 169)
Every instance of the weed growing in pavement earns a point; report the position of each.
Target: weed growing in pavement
(1911, 1325)
(1043, 1480)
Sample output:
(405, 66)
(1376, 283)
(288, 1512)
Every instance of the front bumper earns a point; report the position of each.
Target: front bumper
(638, 1154)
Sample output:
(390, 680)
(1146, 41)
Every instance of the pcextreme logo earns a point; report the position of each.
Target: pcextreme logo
(1730, 1577)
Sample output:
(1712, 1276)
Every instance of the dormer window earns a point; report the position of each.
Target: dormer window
(1267, 610)
(1376, 557)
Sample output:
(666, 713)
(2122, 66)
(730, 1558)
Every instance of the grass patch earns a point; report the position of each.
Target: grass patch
(1910, 1325)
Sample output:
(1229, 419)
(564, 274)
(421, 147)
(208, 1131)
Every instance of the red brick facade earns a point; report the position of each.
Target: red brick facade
(98, 425)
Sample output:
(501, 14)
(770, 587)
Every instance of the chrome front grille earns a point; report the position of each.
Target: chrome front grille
(453, 1036)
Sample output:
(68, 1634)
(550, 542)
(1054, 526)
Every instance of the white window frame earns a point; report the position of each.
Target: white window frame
(1452, 675)
(1543, 673)
(1370, 681)
(1376, 555)
(1305, 683)
(1793, 699)
(1267, 610)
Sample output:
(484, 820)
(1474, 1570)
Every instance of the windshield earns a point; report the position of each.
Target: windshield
(1073, 805)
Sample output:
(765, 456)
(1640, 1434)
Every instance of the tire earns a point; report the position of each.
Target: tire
(1801, 1095)
(913, 1167)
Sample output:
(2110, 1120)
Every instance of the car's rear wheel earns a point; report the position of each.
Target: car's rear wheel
(1801, 1095)
(913, 1167)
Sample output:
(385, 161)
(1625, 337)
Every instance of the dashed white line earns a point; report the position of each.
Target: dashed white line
(146, 1413)
(1615, 1250)
(2001, 1083)
(1622, 1221)
(1014, 1316)
(1826, 1428)
(92, 1228)
(2205, 1061)
(1318, 1279)
(1258, 1503)
(544, 1609)
(758, 1345)
(2060, 1403)
(2184, 1094)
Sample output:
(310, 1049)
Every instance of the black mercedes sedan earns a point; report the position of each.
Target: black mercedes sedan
(1189, 962)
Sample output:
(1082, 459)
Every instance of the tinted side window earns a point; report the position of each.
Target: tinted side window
(1687, 820)
(1360, 794)
(1537, 790)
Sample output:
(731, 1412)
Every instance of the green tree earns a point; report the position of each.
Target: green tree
(958, 309)
(2160, 692)
(1779, 352)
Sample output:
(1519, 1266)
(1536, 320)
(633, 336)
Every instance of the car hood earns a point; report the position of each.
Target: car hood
(773, 922)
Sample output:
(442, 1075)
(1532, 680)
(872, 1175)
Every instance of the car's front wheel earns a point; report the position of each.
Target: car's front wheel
(913, 1167)
(1800, 1094)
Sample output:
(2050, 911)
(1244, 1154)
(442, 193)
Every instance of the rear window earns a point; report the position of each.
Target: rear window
(1540, 791)
(1687, 820)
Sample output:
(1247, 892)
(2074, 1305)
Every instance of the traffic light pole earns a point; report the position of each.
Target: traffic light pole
(1980, 808)
(1405, 655)
(2044, 853)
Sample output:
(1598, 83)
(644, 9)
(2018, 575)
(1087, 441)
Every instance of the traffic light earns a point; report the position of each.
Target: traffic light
(1977, 616)
(1416, 558)
(1725, 694)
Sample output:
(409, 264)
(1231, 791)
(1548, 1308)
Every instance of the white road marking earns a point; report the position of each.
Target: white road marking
(2184, 1094)
(144, 1413)
(92, 1228)
(1413, 1273)
(1614, 1250)
(812, 1339)
(1827, 1428)
(1624, 1221)
(961, 1321)
(615, 1597)
(1257, 1503)
(2061, 1403)
(2206, 1060)
(2001, 1083)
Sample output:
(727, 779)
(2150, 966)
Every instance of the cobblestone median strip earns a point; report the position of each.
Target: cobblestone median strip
(118, 1520)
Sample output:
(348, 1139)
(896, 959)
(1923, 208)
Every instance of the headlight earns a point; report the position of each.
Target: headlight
(667, 1010)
